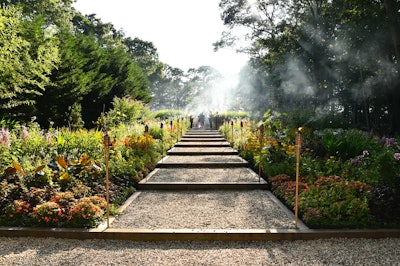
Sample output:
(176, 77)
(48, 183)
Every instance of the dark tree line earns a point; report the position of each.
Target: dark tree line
(335, 62)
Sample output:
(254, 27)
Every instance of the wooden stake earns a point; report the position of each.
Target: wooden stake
(261, 141)
(241, 133)
(298, 148)
(107, 143)
(232, 132)
(162, 141)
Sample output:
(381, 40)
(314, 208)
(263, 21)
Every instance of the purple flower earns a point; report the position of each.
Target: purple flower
(390, 142)
(356, 160)
(365, 153)
(397, 156)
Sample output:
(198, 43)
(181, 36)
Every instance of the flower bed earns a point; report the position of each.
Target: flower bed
(56, 178)
(348, 179)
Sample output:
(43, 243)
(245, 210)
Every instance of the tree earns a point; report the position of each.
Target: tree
(56, 13)
(28, 54)
(331, 57)
(392, 12)
(95, 68)
(77, 75)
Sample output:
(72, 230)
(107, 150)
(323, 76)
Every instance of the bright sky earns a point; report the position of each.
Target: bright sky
(182, 30)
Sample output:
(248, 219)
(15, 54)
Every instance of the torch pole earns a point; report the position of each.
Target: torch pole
(162, 141)
(241, 133)
(107, 157)
(261, 140)
(181, 128)
(232, 131)
(298, 148)
(177, 130)
(146, 132)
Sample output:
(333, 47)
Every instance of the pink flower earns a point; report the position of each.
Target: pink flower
(5, 137)
(24, 133)
(397, 156)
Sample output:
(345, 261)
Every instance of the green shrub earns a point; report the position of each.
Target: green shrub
(384, 203)
(87, 213)
(339, 203)
(167, 114)
(16, 213)
(48, 214)
(345, 144)
(126, 111)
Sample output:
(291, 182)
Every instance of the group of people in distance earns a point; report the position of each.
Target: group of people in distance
(212, 121)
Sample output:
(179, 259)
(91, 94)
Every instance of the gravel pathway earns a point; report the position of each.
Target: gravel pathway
(204, 210)
(50, 251)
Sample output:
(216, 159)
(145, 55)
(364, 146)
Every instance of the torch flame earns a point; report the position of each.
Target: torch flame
(300, 129)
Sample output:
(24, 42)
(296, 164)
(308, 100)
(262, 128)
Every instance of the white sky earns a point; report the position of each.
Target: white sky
(182, 30)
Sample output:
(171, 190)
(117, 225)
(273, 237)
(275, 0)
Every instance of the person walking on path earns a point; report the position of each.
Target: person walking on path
(201, 120)
(210, 119)
(191, 121)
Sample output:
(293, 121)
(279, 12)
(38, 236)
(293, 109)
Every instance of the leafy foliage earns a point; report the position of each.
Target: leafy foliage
(28, 54)
(56, 178)
(127, 111)
(348, 179)
(317, 60)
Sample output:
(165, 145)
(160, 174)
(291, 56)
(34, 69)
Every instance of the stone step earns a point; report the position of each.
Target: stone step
(203, 165)
(202, 151)
(202, 136)
(202, 144)
(204, 175)
(203, 132)
(184, 139)
(201, 186)
(191, 153)
(203, 159)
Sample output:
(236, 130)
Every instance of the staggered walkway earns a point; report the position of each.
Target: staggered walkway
(202, 160)
(203, 186)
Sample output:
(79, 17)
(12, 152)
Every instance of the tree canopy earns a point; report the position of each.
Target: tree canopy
(55, 60)
(326, 63)
(65, 68)
(336, 60)
(28, 54)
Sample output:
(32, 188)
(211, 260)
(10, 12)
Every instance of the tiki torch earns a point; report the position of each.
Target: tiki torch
(181, 128)
(261, 141)
(162, 140)
(298, 149)
(177, 129)
(241, 132)
(146, 132)
(232, 131)
(107, 143)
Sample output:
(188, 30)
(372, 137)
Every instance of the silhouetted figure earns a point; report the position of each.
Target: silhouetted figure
(217, 121)
(191, 121)
(201, 120)
(210, 119)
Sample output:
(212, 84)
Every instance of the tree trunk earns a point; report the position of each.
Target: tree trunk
(394, 24)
